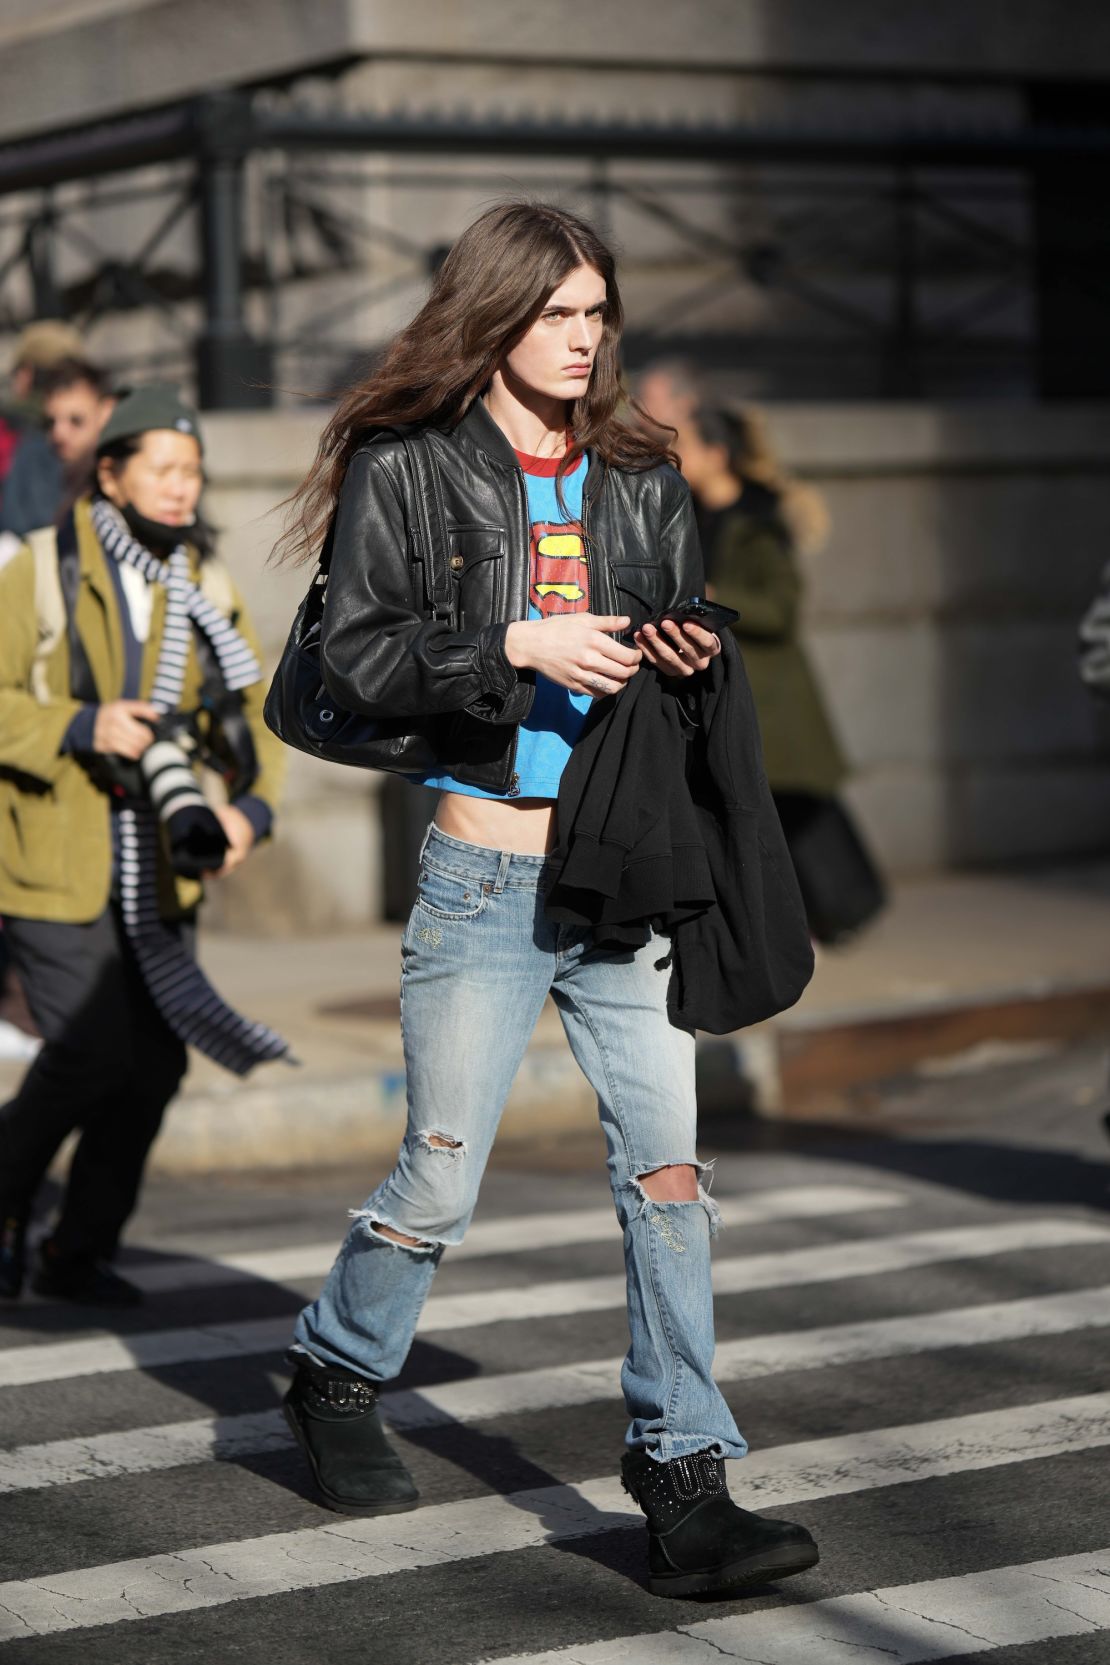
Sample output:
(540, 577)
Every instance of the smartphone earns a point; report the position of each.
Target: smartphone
(710, 615)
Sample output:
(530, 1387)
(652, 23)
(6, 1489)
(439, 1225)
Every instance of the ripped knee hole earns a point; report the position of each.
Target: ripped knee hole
(399, 1236)
(673, 1182)
(429, 1139)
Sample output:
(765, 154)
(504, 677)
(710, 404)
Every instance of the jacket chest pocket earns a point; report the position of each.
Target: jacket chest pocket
(475, 566)
(638, 590)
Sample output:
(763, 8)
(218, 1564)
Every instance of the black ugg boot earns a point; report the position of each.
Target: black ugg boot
(699, 1542)
(334, 1415)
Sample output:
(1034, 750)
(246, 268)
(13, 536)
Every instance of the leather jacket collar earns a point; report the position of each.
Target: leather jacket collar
(478, 432)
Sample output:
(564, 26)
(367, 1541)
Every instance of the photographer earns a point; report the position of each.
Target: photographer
(126, 659)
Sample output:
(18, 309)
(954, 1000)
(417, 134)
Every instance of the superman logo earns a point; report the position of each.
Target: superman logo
(560, 579)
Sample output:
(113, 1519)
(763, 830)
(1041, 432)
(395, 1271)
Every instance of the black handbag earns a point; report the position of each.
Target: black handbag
(299, 709)
(841, 887)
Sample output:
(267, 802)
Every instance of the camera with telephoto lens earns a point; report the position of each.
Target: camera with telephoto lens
(198, 843)
(163, 777)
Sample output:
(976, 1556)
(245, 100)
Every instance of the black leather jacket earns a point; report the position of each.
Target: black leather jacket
(383, 656)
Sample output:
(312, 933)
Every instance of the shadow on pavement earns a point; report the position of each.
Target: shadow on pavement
(999, 1172)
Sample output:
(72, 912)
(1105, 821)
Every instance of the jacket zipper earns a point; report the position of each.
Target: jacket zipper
(513, 788)
(591, 573)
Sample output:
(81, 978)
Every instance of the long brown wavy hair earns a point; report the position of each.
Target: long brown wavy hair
(490, 289)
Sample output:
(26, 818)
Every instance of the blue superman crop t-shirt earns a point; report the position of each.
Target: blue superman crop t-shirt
(558, 582)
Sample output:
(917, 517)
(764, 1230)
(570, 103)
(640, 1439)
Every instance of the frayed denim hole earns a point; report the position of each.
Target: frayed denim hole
(440, 1144)
(702, 1200)
(372, 1219)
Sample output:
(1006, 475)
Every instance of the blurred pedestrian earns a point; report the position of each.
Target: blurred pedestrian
(126, 656)
(76, 403)
(507, 387)
(755, 523)
(669, 390)
(32, 500)
(34, 497)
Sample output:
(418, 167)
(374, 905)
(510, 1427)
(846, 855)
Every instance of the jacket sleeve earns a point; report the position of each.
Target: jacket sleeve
(682, 557)
(755, 573)
(378, 653)
(31, 735)
(680, 549)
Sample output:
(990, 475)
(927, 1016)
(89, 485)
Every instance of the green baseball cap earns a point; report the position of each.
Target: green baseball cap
(154, 405)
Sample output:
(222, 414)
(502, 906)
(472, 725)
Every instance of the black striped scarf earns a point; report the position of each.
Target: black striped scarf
(177, 985)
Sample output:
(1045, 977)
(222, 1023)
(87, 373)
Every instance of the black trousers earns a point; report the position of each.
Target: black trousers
(109, 1065)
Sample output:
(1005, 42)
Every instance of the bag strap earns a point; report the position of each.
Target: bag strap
(57, 580)
(429, 533)
(82, 683)
(431, 524)
(50, 607)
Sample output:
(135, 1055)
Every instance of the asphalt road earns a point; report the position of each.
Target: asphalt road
(913, 1314)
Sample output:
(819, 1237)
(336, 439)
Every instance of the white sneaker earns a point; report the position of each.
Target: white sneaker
(15, 1046)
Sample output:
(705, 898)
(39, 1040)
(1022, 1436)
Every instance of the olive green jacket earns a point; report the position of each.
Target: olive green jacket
(55, 833)
(754, 570)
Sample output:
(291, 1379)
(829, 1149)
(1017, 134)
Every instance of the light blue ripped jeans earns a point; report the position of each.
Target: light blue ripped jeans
(479, 958)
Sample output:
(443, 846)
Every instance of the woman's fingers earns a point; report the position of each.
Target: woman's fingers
(706, 642)
(617, 670)
(665, 656)
(690, 641)
(618, 652)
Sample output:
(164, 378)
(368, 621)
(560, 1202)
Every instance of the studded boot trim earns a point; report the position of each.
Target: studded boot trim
(668, 1492)
(338, 1392)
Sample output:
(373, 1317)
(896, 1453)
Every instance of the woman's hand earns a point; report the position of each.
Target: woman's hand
(677, 650)
(574, 650)
(123, 728)
(240, 839)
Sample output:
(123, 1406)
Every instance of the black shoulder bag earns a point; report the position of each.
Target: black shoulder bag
(299, 708)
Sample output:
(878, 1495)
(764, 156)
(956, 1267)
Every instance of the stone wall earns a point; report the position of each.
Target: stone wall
(116, 55)
(966, 542)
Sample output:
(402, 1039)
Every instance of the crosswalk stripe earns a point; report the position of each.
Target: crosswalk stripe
(940, 1618)
(217, 1574)
(485, 1398)
(513, 1235)
(141, 1450)
(59, 1361)
(825, 1263)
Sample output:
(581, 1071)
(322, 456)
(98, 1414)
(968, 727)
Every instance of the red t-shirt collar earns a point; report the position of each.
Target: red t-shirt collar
(547, 466)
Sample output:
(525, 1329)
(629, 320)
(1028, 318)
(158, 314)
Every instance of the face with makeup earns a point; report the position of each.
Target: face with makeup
(554, 358)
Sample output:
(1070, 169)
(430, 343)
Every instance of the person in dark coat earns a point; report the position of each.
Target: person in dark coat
(755, 524)
(750, 534)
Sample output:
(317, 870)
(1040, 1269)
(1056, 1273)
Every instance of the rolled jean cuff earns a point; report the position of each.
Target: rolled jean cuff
(669, 1446)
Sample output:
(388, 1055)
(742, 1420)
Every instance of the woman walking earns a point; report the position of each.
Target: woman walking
(756, 523)
(562, 522)
(125, 655)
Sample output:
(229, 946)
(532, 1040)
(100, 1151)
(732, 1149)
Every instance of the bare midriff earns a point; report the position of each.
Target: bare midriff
(525, 826)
